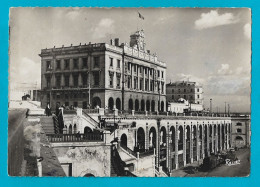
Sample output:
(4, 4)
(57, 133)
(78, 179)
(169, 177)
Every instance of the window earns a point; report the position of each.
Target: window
(96, 78)
(198, 90)
(58, 80)
(84, 79)
(162, 87)
(129, 64)
(57, 64)
(111, 77)
(129, 82)
(48, 80)
(172, 90)
(198, 102)
(118, 82)
(172, 96)
(84, 95)
(67, 63)
(75, 63)
(239, 130)
(111, 62)
(191, 90)
(66, 103)
(96, 62)
(179, 90)
(198, 96)
(184, 96)
(146, 84)
(75, 104)
(141, 84)
(48, 65)
(58, 96)
(158, 73)
(190, 96)
(135, 82)
(75, 80)
(134, 68)
(151, 72)
(140, 69)
(145, 71)
(239, 124)
(85, 62)
(162, 74)
(67, 80)
(118, 63)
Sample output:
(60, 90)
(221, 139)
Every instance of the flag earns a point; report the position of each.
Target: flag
(140, 16)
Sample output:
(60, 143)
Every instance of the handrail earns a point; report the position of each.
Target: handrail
(88, 116)
(88, 137)
(146, 153)
(131, 152)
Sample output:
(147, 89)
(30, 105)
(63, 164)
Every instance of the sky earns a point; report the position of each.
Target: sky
(211, 46)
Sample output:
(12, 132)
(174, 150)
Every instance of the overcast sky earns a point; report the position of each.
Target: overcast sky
(210, 46)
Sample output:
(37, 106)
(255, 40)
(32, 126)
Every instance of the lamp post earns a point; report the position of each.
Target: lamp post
(210, 105)
(225, 108)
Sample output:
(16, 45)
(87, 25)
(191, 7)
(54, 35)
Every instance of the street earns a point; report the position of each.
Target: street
(240, 170)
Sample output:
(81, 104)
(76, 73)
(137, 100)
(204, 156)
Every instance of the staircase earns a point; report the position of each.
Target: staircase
(118, 165)
(48, 124)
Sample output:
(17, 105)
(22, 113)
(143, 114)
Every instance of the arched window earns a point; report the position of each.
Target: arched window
(75, 129)
(111, 103)
(118, 104)
(130, 104)
(70, 129)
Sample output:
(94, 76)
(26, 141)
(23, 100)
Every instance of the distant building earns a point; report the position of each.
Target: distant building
(124, 76)
(183, 106)
(241, 130)
(190, 91)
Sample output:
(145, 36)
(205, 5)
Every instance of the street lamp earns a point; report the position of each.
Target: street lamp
(210, 105)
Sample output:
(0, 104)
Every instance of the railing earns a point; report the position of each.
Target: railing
(90, 111)
(89, 117)
(131, 152)
(88, 137)
(146, 153)
(165, 170)
(66, 111)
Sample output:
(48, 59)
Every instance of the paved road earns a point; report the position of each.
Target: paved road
(240, 170)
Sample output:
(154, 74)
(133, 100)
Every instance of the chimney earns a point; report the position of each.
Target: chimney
(117, 42)
(112, 42)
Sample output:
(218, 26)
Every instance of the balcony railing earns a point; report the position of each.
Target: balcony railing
(88, 137)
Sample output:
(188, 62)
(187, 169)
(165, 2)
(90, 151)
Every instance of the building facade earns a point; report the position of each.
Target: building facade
(190, 91)
(241, 131)
(124, 76)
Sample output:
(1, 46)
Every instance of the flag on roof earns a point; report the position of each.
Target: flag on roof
(140, 16)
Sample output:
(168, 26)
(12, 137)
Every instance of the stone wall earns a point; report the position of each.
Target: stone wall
(86, 159)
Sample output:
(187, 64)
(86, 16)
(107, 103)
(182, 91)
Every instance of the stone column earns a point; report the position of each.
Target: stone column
(227, 136)
(212, 139)
(170, 151)
(62, 80)
(80, 80)
(167, 148)
(147, 137)
(184, 145)
(191, 144)
(71, 80)
(221, 138)
(158, 144)
(208, 151)
(197, 143)
(216, 139)
(203, 141)
(176, 147)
